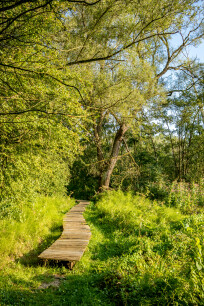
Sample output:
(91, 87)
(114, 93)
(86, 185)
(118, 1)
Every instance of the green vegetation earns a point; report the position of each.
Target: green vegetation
(18, 237)
(78, 76)
(101, 96)
(141, 253)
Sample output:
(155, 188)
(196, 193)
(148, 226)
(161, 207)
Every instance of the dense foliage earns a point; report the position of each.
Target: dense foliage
(98, 95)
(35, 160)
(164, 145)
(83, 71)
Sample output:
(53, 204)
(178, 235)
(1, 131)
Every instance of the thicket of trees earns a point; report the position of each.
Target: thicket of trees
(88, 82)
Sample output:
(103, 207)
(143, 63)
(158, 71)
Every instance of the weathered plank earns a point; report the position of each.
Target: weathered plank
(74, 239)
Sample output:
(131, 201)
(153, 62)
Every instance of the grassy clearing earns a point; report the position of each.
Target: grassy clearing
(141, 253)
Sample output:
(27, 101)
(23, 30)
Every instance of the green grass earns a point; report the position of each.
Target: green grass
(155, 253)
(38, 223)
(140, 253)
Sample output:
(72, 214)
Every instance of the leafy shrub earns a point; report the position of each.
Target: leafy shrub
(37, 164)
(158, 191)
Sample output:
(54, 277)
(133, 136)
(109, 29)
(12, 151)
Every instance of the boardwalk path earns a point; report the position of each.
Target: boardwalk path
(74, 239)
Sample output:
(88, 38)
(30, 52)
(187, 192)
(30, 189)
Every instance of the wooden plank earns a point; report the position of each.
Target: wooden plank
(70, 246)
(74, 239)
(66, 242)
(77, 209)
(61, 257)
(77, 226)
(64, 248)
(77, 232)
(75, 216)
(64, 252)
(73, 223)
(76, 236)
(71, 242)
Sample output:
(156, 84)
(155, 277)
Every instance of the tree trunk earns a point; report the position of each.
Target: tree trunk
(107, 172)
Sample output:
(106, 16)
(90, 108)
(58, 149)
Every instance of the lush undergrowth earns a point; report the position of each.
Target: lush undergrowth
(158, 252)
(140, 253)
(188, 197)
(34, 226)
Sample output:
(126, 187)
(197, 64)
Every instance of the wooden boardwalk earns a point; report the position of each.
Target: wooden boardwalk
(74, 239)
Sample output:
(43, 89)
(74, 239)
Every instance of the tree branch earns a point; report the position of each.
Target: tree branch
(39, 110)
(43, 74)
(110, 56)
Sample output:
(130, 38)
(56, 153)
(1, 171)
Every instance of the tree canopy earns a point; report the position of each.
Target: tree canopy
(74, 73)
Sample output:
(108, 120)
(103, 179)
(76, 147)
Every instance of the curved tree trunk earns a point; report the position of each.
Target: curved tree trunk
(108, 170)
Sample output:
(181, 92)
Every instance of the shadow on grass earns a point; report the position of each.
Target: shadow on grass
(101, 288)
(117, 241)
(31, 258)
(73, 290)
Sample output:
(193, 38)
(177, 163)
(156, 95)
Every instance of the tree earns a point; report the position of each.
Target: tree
(47, 47)
(113, 100)
(182, 121)
(116, 97)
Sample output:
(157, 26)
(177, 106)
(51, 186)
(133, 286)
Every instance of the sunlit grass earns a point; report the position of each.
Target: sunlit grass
(140, 253)
(156, 250)
(18, 237)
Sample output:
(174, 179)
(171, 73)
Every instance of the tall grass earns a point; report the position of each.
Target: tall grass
(188, 197)
(158, 252)
(18, 237)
